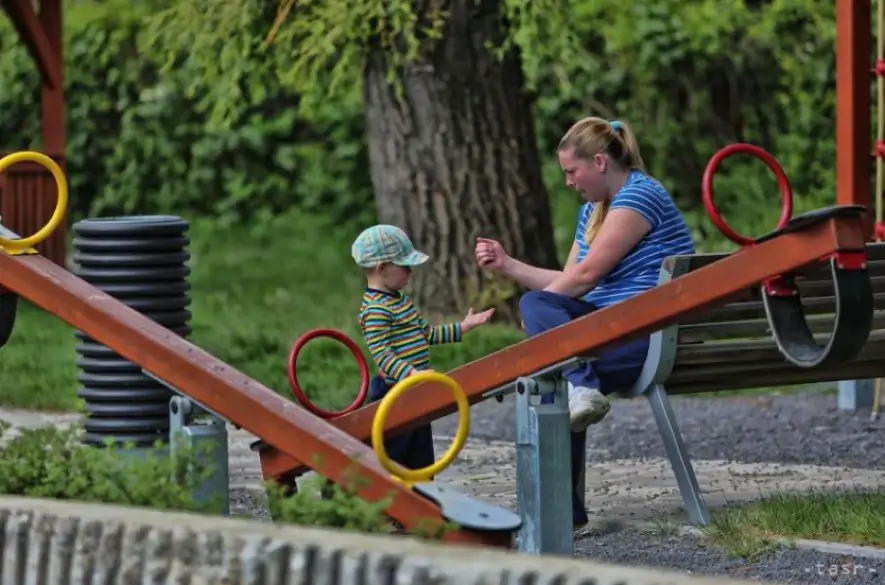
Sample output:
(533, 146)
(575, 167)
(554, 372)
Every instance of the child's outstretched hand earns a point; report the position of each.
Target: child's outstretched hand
(473, 320)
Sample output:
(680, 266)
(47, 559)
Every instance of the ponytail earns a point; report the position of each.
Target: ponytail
(600, 210)
(628, 146)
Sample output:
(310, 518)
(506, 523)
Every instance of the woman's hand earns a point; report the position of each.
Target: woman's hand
(490, 255)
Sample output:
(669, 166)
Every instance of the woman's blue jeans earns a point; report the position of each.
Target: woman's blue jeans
(613, 370)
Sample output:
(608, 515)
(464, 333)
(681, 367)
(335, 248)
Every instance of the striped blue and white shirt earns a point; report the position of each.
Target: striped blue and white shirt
(639, 270)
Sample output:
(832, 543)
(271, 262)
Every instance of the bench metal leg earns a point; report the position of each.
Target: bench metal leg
(543, 470)
(856, 394)
(678, 454)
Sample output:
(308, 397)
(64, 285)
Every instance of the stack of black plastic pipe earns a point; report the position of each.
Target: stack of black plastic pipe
(140, 261)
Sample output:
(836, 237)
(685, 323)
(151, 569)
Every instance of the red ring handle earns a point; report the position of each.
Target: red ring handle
(771, 163)
(301, 397)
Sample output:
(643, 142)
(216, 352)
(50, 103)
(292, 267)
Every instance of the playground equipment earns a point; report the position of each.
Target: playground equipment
(543, 445)
(780, 295)
(879, 228)
(455, 506)
(11, 243)
(334, 448)
(744, 343)
(854, 149)
(415, 476)
(17, 245)
(230, 394)
(694, 287)
(301, 396)
(141, 262)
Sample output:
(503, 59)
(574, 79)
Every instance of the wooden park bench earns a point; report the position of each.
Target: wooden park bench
(731, 347)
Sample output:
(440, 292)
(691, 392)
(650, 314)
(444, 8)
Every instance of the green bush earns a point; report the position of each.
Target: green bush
(139, 142)
(50, 463)
(691, 78)
(339, 508)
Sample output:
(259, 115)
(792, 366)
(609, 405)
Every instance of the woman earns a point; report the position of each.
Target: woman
(633, 225)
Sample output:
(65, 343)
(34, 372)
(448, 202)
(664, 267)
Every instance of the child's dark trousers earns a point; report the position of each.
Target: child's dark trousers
(411, 449)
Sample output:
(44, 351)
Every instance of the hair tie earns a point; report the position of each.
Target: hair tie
(615, 125)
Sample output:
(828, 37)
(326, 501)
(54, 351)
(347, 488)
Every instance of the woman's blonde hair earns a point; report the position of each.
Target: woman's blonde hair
(591, 136)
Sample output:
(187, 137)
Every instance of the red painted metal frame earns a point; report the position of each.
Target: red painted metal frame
(707, 188)
(614, 325)
(224, 390)
(335, 448)
(853, 129)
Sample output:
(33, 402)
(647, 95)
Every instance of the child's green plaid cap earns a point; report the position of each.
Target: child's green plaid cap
(385, 243)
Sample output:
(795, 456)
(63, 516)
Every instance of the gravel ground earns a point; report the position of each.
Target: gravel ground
(689, 554)
(795, 429)
(659, 549)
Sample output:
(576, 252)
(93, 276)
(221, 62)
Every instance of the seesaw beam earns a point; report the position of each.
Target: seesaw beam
(223, 389)
(600, 330)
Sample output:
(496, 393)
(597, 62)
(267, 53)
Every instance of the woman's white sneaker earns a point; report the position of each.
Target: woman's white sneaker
(586, 406)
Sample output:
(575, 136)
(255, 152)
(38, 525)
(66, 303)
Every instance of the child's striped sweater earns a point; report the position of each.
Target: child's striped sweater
(399, 339)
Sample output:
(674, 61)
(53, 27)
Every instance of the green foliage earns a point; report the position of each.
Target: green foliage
(38, 339)
(317, 53)
(179, 106)
(322, 503)
(141, 140)
(317, 48)
(692, 77)
(51, 463)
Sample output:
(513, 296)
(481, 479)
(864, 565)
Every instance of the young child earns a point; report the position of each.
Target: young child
(399, 339)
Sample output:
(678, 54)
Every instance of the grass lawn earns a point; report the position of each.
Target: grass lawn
(254, 292)
(843, 516)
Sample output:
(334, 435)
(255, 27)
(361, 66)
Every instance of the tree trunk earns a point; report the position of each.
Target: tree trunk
(455, 157)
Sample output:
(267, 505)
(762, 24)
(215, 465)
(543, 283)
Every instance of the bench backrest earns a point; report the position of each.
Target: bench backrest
(730, 346)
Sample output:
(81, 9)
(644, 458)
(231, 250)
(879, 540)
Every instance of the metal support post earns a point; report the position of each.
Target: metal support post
(543, 466)
(205, 440)
(856, 394)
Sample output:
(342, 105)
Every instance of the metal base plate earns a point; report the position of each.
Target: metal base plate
(468, 512)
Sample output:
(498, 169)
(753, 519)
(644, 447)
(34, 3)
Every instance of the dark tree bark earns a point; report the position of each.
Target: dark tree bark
(456, 158)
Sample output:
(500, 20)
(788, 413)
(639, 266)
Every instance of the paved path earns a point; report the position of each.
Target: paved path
(617, 491)
(621, 490)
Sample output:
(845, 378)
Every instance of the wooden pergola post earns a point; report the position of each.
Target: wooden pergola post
(27, 191)
(853, 78)
(854, 143)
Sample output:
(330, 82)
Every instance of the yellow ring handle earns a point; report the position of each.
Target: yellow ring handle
(61, 204)
(426, 473)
